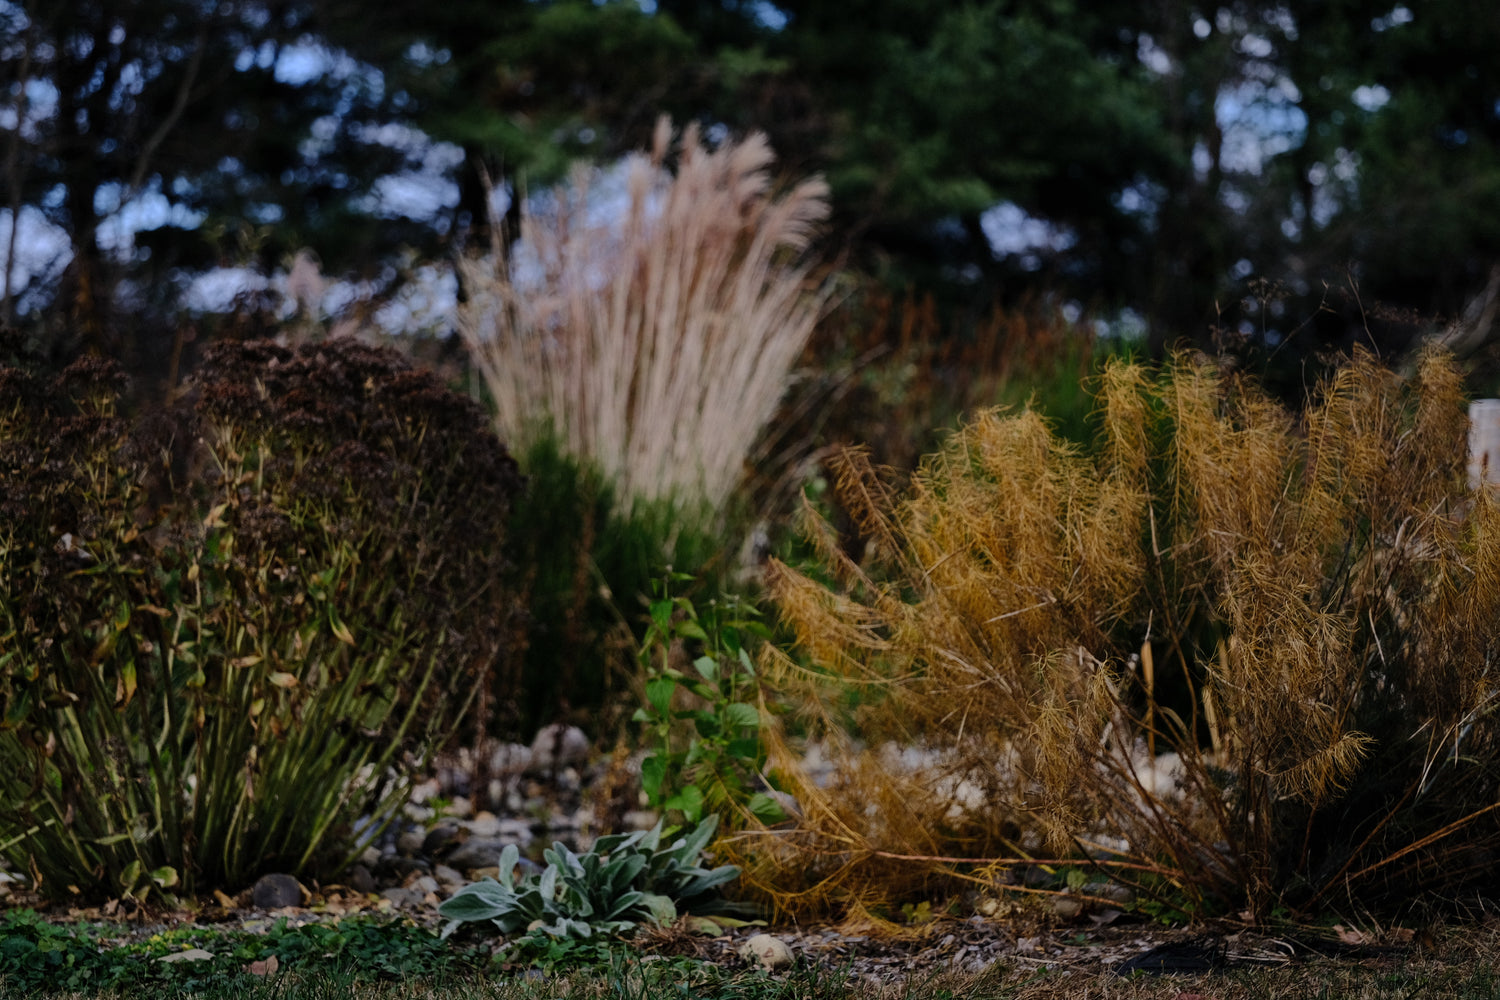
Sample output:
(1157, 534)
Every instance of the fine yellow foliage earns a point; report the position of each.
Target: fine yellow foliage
(1238, 652)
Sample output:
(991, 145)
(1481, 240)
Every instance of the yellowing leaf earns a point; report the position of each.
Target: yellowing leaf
(340, 630)
(125, 685)
(215, 517)
(282, 679)
(245, 661)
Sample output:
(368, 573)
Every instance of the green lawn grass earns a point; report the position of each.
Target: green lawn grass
(1420, 979)
(1460, 963)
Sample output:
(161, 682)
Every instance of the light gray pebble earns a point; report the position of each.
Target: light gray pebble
(403, 897)
(485, 824)
(770, 952)
(417, 813)
(558, 745)
(510, 759)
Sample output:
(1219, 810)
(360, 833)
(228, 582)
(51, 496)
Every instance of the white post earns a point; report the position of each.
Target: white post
(1484, 442)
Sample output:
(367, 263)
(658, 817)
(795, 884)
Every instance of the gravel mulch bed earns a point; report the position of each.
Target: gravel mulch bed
(553, 790)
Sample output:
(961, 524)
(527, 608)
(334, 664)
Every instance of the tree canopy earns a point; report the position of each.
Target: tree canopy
(1152, 157)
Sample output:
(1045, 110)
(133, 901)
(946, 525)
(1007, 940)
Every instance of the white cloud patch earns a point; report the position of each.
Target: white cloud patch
(1013, 233)
(42, 252)
(1371, 97)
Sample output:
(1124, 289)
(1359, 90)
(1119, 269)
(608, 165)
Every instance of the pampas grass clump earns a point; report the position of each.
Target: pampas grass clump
(657, 344)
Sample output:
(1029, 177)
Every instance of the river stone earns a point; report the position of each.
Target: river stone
(449, 877)
(510, 759)
(484, 824)
(271, 892)
(438, 838)
(1112, 891)
(520, 831)
(1067, 907)
(403, 897)
(395, 867)
(558, 745)
(477, 852)
(770, 952)
(360, 879)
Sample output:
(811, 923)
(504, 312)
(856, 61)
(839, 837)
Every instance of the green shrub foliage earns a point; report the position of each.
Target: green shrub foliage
(226, 628)
(587, 569)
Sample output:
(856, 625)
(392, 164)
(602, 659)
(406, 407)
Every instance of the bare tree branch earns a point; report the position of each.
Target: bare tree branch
(184, 92)
(13, 177)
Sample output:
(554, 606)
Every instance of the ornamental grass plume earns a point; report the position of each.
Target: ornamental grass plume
(658, 343)
(1232, 657)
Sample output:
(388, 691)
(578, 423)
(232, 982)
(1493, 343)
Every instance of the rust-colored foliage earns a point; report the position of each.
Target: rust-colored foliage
(1231, 653)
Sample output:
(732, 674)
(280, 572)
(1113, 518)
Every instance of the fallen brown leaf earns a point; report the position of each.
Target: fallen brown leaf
(1350, 935)
(264, 967)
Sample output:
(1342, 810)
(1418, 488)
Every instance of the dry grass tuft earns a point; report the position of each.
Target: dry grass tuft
(1231, 657)
(658, 344)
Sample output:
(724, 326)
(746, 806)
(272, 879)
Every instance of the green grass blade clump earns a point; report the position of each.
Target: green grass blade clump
(227, 630)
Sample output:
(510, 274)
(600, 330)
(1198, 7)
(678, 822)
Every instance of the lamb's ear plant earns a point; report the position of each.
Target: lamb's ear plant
(700, 712)
(624, 880)
(226, 631)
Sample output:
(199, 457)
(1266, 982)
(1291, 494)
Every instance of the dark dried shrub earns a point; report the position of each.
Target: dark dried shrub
(225, 630)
